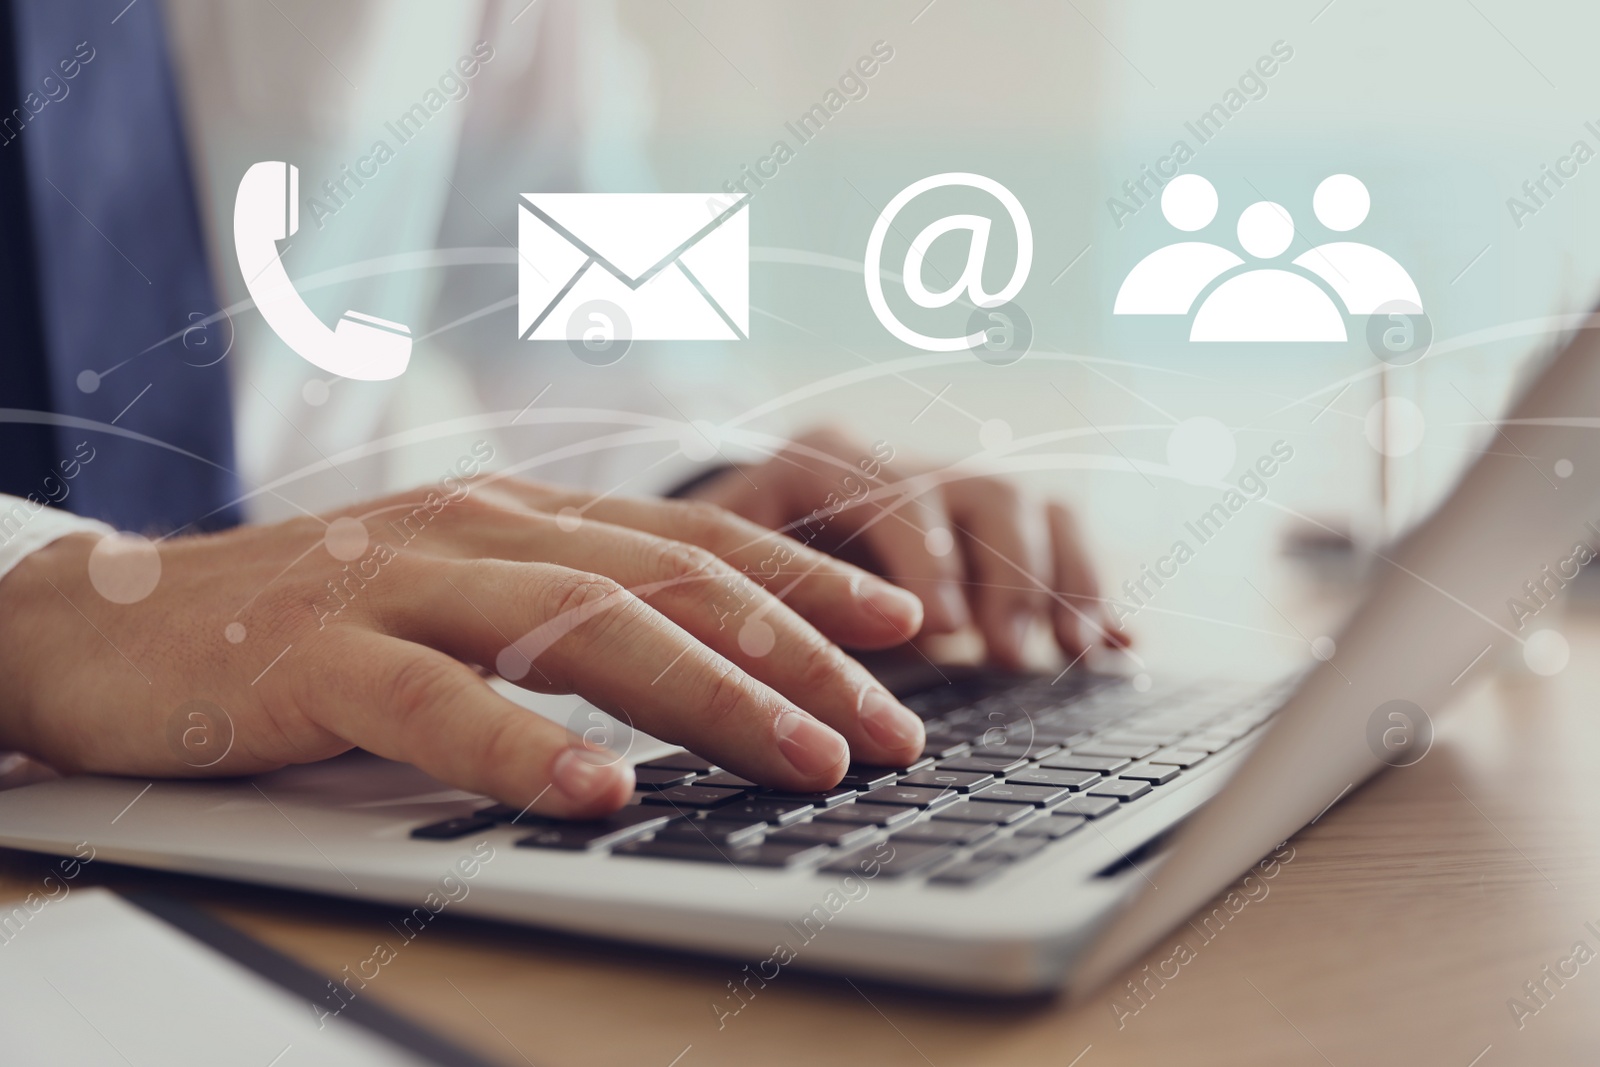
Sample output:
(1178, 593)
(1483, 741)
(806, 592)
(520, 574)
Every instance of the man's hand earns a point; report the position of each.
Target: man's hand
(697, 626)
(975, 549)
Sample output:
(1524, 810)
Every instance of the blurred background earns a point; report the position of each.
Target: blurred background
(1443, 109)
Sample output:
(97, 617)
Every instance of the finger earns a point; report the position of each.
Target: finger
(553, 628)
(1079, 616)
(751, 628)
(406, 702)
(736, 489)
(851, 606)
(1005, 541)
(905, 525)
(813, 482)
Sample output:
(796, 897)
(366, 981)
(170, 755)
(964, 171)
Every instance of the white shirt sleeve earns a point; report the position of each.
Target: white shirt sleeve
(27, 526)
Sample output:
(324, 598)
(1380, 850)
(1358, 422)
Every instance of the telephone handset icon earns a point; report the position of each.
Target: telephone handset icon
(266, 211)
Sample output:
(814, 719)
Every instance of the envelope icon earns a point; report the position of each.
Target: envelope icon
(676, 264)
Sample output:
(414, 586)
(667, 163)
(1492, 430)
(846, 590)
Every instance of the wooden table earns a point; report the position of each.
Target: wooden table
(1408, 918)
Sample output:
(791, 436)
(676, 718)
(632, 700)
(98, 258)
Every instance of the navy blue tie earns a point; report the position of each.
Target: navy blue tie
(121, 266)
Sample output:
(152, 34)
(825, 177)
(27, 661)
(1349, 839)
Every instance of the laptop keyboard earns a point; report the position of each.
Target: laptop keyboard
(1011, 768)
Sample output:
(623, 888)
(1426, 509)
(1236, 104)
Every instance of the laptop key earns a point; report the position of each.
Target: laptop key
(1120, 789)
(1060, 735)
(984, 812)
(762, 855)
(724, 834)
(971, 731)
(1052, 827)
(967, 872)
(702, 850)
(776, 812)
(1075, 762)
(938, 831)
(1038, 795)
(1089, 807)
(983, 764)
(679, 761)
(780, 854)
(722, 780)
(861, 814)
(890, 859)
(505, 813)
(693, 796)
(660, 777)
(826, 799)
(840, 834)
(1139, 737)
(999, 710)
(1107, 748)
(939, 778)
(1011, 849)
(942, 747)
(1206, 742)
(450, 829)
(1016, 749)
(1180, 756)
(614, 829)
(1154, 773)
(1073, 780)
(910, 796)
(865, 778)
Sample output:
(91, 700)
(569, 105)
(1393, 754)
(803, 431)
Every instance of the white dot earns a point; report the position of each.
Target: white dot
(1395, 426)
(1141, 683)
(1546, 652)
(1201, 450)
(124, 567)
(756, 638)
(994, 433)
(1563, 468)
(1341, 202)
(568, 519)
(1265, 229)
(699, 440)
(234, 632)
(1323, 648)
(1189, 202)
(512, 664)
(88, 381)
(315, 392)
(345, 538)
(938, 541)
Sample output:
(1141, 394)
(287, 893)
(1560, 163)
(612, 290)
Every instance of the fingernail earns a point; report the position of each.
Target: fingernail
(584, 774)
(900, 605)
(888, 722)
(952, 604)
(810, 747)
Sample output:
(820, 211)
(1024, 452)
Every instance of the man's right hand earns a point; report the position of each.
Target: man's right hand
(696, 626)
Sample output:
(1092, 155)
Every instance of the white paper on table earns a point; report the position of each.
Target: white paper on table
(91, 979)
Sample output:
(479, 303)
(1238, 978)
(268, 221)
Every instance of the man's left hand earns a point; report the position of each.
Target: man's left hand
(975, 548)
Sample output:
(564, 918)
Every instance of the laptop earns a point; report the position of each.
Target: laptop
(1053, 831)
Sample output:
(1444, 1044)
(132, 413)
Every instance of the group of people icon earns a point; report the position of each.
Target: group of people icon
(1257, 302)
